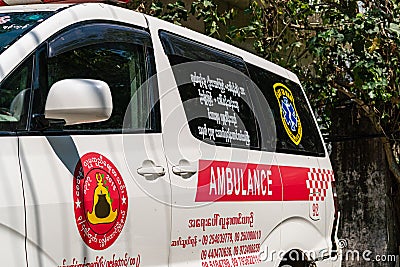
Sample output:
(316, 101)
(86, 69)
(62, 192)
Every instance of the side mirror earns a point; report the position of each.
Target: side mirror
(79, 101)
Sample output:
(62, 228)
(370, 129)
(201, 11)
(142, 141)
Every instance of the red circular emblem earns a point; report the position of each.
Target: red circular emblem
(100, 201)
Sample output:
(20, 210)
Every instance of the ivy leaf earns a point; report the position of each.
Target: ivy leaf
(371, 94)
(297, 44)
(207, 3)
(394, 28)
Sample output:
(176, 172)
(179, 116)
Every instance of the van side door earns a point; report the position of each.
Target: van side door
(226, 194)
(95, 192)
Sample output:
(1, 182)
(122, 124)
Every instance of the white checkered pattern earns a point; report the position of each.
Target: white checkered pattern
(318, 183)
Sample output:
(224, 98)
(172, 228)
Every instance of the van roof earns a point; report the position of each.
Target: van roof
(248, 56)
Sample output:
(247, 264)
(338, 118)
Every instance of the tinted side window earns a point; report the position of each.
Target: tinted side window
(15, 94)
(16, 24)
(295, 126)
(215, 95)
(185, 48)
(117, 55)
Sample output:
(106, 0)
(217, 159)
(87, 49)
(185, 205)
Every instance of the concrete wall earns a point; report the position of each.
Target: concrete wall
(365, 188)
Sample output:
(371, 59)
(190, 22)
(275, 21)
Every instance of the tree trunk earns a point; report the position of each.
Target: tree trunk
(366, 190)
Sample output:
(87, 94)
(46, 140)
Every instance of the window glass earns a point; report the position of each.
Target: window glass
(14, 25)
(14, 98)
(215, 95)
(295, 126)
(119, 60)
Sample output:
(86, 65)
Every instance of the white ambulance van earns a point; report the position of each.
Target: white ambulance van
(129, 141)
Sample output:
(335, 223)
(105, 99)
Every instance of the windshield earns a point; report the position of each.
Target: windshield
(14, 25)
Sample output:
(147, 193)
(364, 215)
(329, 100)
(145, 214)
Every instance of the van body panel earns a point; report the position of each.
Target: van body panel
(319, 224)
(49, 166)
(188, 206)
(12, 218)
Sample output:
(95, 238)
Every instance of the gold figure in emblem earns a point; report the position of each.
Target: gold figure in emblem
(102, 209)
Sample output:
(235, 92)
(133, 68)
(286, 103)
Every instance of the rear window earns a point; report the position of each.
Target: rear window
(295, 126)
(15, 25)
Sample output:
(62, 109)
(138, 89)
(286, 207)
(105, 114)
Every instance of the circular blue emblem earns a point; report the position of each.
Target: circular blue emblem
(289, 114)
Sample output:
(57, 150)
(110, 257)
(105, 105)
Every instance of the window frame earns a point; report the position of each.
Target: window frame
(40, 91)
(226, 58)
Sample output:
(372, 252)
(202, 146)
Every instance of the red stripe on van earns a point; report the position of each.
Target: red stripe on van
(305, 183)
(294, 180)
(234, 181)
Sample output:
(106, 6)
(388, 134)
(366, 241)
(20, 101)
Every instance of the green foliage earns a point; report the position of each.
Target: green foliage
(359, 52)
(203, 10)
(208, 12)
(173, 12)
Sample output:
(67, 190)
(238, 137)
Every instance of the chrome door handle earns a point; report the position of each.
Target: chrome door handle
(184, 171)
(158, 170)
(150, 171)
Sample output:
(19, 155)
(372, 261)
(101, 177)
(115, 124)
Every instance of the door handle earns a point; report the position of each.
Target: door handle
(184, 171)
(158, 170)
(150, 171)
